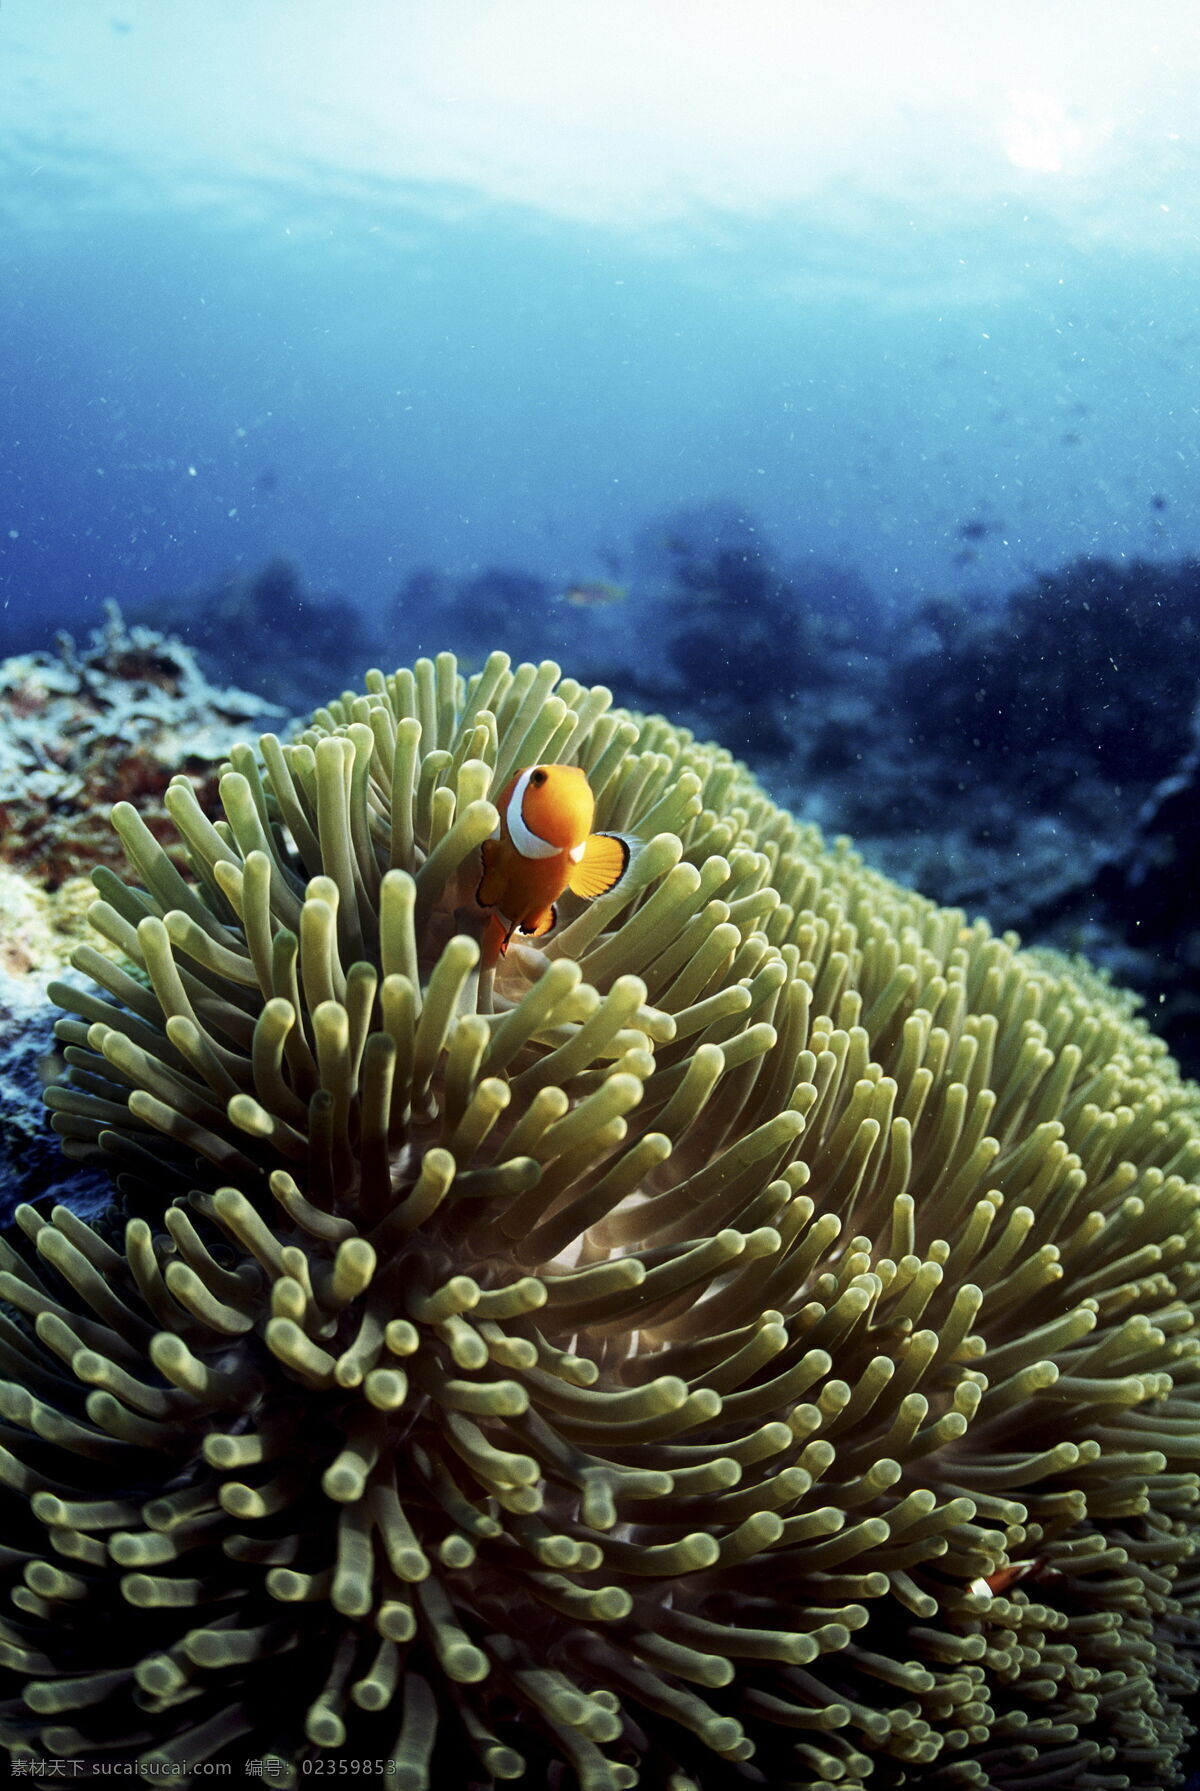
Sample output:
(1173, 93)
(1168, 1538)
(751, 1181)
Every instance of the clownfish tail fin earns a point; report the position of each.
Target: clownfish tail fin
(606, 858)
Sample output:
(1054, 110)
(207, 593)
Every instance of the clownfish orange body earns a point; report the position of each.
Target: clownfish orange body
(545, 845)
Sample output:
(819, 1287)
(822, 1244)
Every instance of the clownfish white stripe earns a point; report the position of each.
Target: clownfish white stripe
(523, 838)
(576, 853)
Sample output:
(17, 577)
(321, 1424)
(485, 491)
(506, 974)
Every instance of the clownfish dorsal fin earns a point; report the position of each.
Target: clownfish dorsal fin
(604, 860)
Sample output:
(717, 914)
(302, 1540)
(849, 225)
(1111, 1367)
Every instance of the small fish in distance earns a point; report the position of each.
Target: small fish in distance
(593, 593)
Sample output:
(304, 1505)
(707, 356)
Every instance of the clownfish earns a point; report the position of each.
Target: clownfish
(545, 845)
(994, 1584)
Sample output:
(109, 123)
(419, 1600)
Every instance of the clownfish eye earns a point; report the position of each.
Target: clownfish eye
(537, 777)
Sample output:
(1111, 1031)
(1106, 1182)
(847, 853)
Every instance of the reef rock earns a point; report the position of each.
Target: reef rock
(81, 729)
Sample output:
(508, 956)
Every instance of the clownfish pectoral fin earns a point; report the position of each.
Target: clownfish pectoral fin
(491, 884)
(606, 858)
(537, 924)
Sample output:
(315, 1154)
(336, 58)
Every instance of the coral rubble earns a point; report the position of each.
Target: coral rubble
(38, 932)
(79, 730)
(83, 728)
(751, 1342)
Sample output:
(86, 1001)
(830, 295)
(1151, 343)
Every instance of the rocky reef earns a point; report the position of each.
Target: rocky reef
(111, 721)
(81, 728)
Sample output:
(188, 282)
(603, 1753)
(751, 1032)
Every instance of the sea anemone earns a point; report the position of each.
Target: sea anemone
(749, 1341)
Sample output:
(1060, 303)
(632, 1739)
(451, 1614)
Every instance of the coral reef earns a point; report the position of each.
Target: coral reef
(1148, 891)
(731, 612)
(249, 627)
(82, 729)
(750, 1342)
(471, 613)
(38, 932)
(1133, 907)
(729, 608)
(1093, 667)
(113, 721)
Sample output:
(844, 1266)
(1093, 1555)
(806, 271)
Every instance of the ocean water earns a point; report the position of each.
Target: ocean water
(459, 287)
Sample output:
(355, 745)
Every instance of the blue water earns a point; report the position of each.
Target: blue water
(210, 361)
